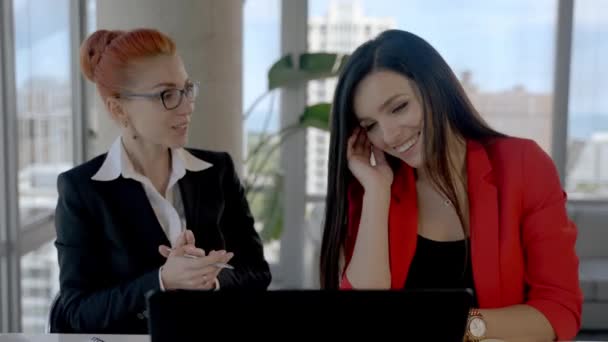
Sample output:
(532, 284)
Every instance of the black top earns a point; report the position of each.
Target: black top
(441, 264)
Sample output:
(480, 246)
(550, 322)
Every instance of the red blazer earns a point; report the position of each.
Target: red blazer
(522, 242)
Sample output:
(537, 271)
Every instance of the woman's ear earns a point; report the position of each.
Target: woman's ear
(116, 109)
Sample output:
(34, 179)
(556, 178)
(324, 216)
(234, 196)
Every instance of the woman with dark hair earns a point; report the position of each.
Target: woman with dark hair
(424, 194)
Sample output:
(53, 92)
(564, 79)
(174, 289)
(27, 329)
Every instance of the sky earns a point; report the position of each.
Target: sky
(504, 42)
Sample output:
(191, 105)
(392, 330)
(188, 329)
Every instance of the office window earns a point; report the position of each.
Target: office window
(44, 97)
(44, 139)
(321, 163)
(261, 35)
(39, 284)
(587, 162)
(503, 52)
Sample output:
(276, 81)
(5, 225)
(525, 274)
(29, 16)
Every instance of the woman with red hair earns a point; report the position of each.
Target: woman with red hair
(149, 214)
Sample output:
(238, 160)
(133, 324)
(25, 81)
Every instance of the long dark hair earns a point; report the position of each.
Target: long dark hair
(445, 106)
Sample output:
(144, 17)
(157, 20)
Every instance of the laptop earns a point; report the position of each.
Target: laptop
(412, 315)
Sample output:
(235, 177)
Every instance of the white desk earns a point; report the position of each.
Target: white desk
(91, 338)
(72, 338)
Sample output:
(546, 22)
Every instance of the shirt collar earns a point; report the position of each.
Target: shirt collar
(117, 163)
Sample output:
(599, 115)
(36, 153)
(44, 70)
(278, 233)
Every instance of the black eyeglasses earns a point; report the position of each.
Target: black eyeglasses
(171, 98)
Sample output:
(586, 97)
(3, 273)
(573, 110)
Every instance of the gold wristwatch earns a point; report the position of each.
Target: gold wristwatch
(476, 326)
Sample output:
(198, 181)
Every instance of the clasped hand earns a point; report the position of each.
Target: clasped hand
(188, 267)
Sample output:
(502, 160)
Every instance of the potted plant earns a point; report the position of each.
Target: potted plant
(263, 179)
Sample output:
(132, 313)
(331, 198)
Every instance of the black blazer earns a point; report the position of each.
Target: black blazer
(108, 238)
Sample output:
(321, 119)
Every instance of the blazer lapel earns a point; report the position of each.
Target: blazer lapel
(403, 225)
(484, 226)
(203, 209)
(138, 221)
(190, 197)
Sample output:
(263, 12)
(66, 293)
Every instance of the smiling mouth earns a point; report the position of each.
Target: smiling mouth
(181, 126)
(408, 144)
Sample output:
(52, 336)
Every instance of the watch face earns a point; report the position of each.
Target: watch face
(477, 327)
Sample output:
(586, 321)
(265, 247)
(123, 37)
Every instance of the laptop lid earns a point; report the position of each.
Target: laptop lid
(432, 315)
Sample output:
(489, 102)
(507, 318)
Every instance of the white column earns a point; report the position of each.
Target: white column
(10, 232)
(561, 86)
(208, 34)
(297, 250)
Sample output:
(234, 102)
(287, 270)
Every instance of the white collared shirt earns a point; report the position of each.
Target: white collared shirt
(169, 209)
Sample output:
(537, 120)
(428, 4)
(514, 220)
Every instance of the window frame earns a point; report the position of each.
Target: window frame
(19, 238)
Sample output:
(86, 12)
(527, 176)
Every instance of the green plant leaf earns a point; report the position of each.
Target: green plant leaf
(281, 72)
(272, 215)
(316, 116)
(267, 200)
(311, 66)
(321, 65)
